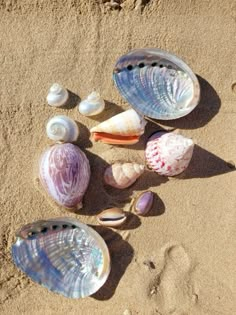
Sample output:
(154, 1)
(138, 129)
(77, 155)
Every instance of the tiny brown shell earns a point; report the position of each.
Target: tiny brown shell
(111, 217)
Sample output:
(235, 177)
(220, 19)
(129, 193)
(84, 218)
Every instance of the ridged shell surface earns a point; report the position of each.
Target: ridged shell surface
(62, 128)
(156, 83)
(63, 255)
(64, 172)
(168, 154)
(123, 175)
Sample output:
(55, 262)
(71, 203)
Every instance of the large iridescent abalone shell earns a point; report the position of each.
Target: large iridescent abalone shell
(64, 172)
(156, 83)
(63, 255)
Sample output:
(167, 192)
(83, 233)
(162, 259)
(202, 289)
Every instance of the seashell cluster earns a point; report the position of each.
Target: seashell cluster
(64, 172)
(156, 83)
(112, 217)
(168, 154)
(124, 128)
(57, 95)
(143, 203)
(92, 105)
(62, 128)
(63, 255)
(121, 176)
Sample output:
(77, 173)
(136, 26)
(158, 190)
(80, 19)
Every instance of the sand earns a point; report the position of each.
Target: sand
(179, 260)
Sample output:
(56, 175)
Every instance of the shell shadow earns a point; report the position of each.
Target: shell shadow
(204, 112)
(158, 207)
(121, 253)
(83, 140)
(132, 222)
(111, 109)
(205, 164)
(72, 101)
(100, 196)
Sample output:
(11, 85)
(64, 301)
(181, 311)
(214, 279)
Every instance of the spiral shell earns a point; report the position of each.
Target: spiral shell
(124, 128)
(123, 175)
(113, 217)
(64, 172)
(62, 128)
(168, 154)
(63, 255)
(156, 83)
(57, 95)
(92, 105)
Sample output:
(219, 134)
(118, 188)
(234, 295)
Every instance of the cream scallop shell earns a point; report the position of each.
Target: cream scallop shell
(123, 175)
(62, 128)
(57, 95)
(92, 105)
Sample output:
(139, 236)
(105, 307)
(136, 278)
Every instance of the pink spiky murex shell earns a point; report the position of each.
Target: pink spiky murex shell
(168, 154)
(64, 172)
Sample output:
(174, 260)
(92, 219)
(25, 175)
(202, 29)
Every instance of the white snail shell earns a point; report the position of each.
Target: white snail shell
(92, 105)
(62, 128)
(57, 95)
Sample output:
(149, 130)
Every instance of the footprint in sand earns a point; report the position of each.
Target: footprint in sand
(173, 287)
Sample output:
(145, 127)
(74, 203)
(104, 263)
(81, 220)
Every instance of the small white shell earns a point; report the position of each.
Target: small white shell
(92, 105)
(57, 95)
(62, 128)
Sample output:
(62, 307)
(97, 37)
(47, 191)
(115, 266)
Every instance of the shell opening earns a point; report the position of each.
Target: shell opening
(114, 139)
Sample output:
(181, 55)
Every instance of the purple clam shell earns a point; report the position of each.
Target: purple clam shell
(64, 172)
(144, 203)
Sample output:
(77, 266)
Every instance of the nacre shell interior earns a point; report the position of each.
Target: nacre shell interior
(156, 83)
(64, 255)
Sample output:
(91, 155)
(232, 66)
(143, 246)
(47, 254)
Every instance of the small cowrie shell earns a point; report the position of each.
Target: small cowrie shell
(143, 202)
(111, 217)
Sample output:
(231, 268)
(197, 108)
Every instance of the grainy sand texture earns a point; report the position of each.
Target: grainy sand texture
(181, 258)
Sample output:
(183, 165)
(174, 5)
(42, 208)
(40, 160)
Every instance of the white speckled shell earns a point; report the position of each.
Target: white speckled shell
(168, 154)
(92, 105)
(62, 128)
(57, 95)
(123, 175)
(128, 123)
(64, 172)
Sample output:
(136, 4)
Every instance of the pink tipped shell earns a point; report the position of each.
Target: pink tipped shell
(144, 203)
(64, 172)
(168, 154)
(123, 175)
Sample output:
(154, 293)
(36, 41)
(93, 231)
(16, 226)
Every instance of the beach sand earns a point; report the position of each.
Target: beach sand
(179, 260)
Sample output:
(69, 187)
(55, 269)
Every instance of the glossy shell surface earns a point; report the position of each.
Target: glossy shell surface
(62, 128)
(156, 83)
(64, 172)
(63, 255)
(92, 105)
(143, 203)
(113, 217)
(57, 95)
(168, 154)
